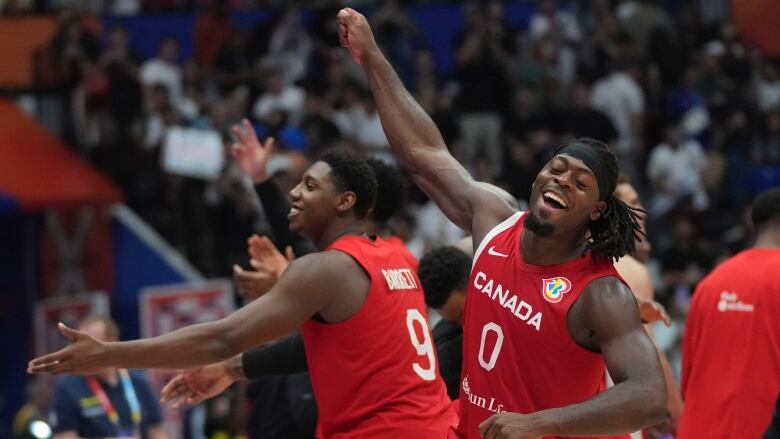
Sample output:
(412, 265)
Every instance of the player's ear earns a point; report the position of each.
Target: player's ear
(346, 201)
(598, 211)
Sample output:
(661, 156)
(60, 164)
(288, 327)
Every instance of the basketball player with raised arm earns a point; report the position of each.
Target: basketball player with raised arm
(358, 303)
(545, 310)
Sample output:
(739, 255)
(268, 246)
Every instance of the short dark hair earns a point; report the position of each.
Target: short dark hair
(351, 172)
(766, 208)
(441, 271)
(391, 190)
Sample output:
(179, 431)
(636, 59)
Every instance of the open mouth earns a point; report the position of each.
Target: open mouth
(294, 211)
(554, 200)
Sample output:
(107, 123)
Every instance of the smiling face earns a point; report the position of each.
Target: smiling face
(317, 200)
(565, 197)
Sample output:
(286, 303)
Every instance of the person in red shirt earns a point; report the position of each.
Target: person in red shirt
(545, 308)
(359, 304)
(731, 346)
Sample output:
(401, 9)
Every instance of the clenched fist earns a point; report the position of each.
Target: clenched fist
(355, 34)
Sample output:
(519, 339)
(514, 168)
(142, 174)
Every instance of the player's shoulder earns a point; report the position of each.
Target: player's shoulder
(608, 292)
(324, 263)
(493, 201)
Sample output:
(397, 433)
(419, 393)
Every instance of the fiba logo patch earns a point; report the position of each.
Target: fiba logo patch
(554, 288)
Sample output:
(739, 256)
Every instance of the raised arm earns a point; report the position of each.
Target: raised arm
(638, 398)
(301, 292)
(414, 138)
(252, 157)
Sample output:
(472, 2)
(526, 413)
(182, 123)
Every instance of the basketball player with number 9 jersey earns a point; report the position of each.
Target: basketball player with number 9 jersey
(376, 375)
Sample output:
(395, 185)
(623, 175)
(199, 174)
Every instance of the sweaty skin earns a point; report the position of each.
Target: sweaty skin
(605, 319)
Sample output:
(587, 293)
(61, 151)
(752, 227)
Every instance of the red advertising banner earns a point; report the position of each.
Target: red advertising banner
(167, 308)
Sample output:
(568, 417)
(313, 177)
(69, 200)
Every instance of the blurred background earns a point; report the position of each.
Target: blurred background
(117, 194)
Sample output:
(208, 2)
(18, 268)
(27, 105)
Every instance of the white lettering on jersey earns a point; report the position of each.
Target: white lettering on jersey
(481, 401)
(399, 279)
(729, 301)
(506, 299)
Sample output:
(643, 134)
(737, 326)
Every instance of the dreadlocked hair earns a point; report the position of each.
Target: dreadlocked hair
(613, 234)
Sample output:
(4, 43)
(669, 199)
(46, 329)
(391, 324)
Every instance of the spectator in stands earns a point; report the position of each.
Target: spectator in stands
(290, 47)
(165, 70)
(767, 86)
(213, 30)
(579, 119)
(396, 33)
(278, 95)
(480, 75)
(557, 33)
(674, 168)
(619, 96)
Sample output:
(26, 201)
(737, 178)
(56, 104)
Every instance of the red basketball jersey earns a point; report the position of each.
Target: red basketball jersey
(731, 349)
(376, 375)
(518, 355)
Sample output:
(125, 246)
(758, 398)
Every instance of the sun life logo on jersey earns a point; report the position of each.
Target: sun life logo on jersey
(490, 405)
(554, 288)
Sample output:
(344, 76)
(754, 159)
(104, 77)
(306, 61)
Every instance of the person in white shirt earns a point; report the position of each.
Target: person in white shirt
(619, 96)
(279, 96)
(558, 33)
(164, 70)
(674, 169)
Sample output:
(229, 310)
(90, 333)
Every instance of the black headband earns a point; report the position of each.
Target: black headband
(586, 154)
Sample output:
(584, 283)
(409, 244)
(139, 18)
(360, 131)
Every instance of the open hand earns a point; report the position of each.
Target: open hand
(250, 155)
(355, 34)
(508, 426)
(85, 356)
(651, 311)
(196, 385)
(268, 264)
(265, 255)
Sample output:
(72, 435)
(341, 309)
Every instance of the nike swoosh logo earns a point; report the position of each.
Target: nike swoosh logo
(492, 252)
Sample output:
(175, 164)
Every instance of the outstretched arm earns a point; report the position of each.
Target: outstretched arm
(414, 138)
(196, 385)
(638, 398)
(300, 293)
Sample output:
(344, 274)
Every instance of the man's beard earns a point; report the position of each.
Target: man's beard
(535, 225)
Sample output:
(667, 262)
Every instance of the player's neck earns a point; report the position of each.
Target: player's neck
(351, 226)
(550, 250)
(374, 228)
(768, 239)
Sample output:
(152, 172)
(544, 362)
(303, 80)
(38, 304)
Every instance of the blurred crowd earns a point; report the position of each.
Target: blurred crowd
(693, 114)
